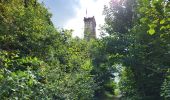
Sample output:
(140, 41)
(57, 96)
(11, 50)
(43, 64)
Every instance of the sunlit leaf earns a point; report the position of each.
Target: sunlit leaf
(151, 31)
(162, 21)
(162, 28)
(152, 25)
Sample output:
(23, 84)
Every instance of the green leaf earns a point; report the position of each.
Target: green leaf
(30, 82)
(151, 31)
(162, 28)
(21, 74)
(143, 9)
(168, 19)
(1, 76)
(13, 74)
(143, 20)
(162, 21)
(152, 25)
(156, 21)
(168, 26)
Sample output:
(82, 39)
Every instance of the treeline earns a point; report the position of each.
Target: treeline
(38, 61)
(138, 46)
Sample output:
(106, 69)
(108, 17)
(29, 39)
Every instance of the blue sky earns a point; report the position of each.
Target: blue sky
(69, 14)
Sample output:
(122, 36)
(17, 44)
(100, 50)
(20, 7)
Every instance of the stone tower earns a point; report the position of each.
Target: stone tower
(89, 28)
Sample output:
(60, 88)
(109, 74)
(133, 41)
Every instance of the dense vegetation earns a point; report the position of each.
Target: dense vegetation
(38, 61)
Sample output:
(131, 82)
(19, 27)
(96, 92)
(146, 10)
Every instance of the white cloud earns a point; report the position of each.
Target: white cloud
(94, 8)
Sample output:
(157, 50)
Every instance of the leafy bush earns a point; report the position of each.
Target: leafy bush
(21, 77)
(165, 93)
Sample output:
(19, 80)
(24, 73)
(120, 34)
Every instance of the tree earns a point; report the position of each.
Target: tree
(22, 77)
(69, 76)
(27, 29)
(166, 87)
(143, 53)
(103, 70)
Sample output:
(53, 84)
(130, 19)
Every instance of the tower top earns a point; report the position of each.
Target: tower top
(89, 28)
(90, 19)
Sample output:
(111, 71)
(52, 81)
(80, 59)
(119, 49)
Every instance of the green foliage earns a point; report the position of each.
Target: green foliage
(38, 61)
(71, 79)
(119, 16)
(25, 29)
(146, 56)
(166, 87)
(127, 84)
(21, 77)
(49, 63)
(155, 13)
(103, 70)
